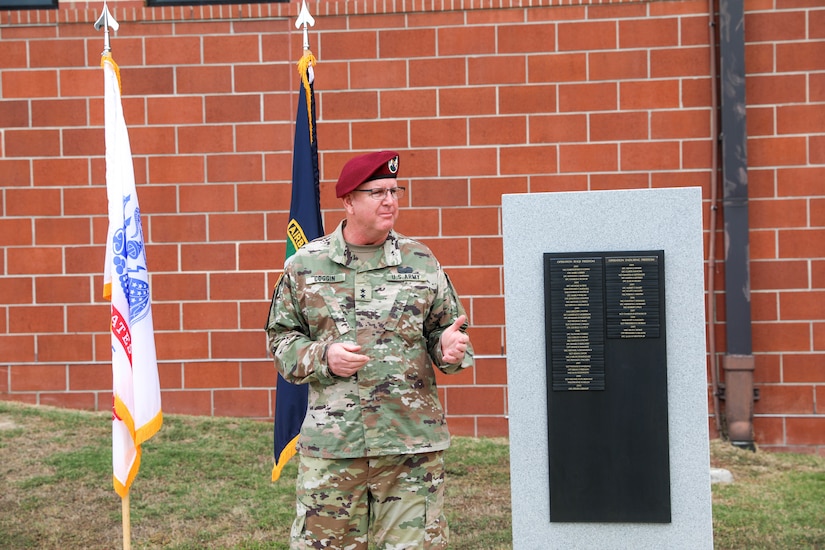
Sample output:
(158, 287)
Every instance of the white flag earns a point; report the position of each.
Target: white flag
(136, 412)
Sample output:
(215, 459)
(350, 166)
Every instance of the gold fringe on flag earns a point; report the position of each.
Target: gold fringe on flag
(306, 61)
(108, 57)
(289, 451)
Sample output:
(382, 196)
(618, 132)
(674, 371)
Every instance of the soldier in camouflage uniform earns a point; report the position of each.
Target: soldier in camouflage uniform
(361, 315)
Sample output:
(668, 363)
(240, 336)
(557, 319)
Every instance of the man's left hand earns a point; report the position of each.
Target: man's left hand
(454, 342)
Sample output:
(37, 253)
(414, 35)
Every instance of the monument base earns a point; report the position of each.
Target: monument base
(671, 414)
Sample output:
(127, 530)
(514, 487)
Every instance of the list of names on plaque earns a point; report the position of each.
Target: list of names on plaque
(577, 324)
(632, 297)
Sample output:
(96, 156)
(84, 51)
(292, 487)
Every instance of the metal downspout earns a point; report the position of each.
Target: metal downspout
(738, 362)
(713, 217)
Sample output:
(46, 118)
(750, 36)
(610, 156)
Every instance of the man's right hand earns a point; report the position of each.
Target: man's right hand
(344, 360)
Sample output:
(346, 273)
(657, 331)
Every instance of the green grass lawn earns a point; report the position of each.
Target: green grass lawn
(205, 483)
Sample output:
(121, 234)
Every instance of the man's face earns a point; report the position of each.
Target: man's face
(369, 219)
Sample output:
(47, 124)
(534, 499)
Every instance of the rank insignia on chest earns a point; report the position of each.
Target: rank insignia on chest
(363, 293)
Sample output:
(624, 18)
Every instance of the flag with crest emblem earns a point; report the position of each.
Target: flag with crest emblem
(136, 411)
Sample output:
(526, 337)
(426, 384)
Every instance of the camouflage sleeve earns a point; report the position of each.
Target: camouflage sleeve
(298, 357)
(445, 310)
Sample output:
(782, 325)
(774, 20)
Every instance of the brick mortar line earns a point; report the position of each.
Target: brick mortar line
(138, 13)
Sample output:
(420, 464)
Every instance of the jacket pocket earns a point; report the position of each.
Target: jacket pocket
(411, 306)
(324, 312)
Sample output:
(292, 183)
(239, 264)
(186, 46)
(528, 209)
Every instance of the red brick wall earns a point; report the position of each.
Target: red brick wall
(785, 87)
(494, 97)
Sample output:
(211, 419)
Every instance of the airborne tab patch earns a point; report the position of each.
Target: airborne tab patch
(296, 234)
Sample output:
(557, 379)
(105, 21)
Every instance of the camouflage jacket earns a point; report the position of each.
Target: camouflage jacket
(395, 307)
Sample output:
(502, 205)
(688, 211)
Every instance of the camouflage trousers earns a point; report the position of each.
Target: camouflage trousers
(390, 502)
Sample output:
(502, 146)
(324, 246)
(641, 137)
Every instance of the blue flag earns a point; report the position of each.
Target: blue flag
(305, 224)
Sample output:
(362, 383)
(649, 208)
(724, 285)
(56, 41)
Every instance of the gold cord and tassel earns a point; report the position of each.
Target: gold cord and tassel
(307, 61)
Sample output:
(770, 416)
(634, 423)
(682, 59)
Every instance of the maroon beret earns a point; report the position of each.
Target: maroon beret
(363, 168)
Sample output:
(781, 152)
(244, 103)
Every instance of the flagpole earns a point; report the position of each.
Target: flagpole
(305, 19)
(105, 21)
(127, 522)
(307, 60)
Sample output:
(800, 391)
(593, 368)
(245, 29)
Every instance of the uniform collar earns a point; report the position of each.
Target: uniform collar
(341, 254)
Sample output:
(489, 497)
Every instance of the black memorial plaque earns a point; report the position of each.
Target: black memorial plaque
(607, 387)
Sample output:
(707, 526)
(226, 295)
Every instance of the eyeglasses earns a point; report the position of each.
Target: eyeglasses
(378, 193)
